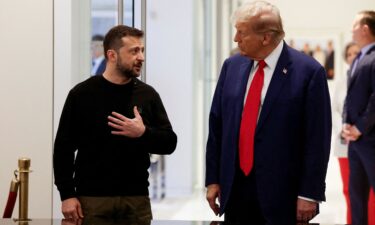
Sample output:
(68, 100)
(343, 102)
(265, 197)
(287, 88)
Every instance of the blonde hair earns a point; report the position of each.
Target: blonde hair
(267, 18)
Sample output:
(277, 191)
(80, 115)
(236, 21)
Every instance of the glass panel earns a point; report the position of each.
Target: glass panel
(129, 12)
(103, 16)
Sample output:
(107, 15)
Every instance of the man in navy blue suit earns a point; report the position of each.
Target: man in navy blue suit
(97, 51)
(291, 141)
(359, 117)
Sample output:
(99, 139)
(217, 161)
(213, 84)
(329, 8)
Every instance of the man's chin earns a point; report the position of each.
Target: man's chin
(243, 53)
(130, 75)
(137, 74)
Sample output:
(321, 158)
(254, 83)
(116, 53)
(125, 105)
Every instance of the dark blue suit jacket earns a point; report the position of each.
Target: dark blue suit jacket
(360, 99)
(101, 68)
(292, 140)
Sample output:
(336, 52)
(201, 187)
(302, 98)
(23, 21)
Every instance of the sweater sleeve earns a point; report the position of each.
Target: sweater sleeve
(159, 137)
(64, 151)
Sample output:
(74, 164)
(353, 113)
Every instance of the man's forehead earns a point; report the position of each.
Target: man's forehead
(357, 19)
(132, 41)
(242, 24)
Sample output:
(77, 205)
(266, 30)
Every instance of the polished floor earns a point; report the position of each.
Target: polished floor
(195, 207)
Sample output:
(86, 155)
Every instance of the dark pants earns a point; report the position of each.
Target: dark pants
(243, 206)
(117, 210)
(361, 178)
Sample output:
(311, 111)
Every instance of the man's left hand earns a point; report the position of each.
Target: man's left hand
(306, 210)
(354, 133)
(132, 128)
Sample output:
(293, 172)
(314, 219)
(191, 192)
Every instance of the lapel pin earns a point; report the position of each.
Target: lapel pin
(285, 71)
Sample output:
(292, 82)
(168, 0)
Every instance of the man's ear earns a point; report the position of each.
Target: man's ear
(111, 55)
(267, 39)
(366, 29)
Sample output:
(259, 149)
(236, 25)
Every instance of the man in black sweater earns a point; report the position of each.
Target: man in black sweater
(109, 126)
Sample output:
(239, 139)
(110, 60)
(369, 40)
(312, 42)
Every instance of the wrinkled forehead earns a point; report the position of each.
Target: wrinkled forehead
(242, 25)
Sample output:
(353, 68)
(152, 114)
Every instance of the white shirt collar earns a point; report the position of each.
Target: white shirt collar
(365, 49)
(273, 57)
(98, 60)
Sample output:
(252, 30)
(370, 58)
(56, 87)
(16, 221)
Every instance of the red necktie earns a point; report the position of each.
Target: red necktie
(249, 120)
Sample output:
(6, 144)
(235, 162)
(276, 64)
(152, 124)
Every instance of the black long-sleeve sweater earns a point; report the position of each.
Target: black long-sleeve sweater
(107, 164)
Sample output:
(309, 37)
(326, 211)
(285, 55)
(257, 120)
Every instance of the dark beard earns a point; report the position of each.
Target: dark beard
(126, 72)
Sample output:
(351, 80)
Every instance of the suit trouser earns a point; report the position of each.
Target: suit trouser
(344, 169)
(361, 178)
(244, 207)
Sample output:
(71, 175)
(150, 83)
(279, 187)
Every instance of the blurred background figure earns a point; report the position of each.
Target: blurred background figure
(329, 63)
(340, 146)
(306, 49)
(319, 55)
(98, 60)
(292, 44)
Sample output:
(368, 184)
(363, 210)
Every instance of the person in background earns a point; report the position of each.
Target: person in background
(359, 118)
(329, 60)
(340, 146)
(319, 55)
(97, 53)
(109, 126)
(269, 127)
(306, 49)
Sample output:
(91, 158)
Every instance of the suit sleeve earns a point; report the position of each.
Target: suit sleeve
(213, 148)
(318, 126)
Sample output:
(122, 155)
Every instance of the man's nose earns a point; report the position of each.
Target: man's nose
(141, 56)
(236, 38)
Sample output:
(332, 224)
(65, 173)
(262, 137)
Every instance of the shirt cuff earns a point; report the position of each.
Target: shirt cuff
(309, 199)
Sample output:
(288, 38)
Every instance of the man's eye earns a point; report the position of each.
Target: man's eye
(135, 51)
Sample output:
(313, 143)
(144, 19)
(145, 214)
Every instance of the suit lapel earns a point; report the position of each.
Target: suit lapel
(359, 64)
(278, 79)
(244, 73)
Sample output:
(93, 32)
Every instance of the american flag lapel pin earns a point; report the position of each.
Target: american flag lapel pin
(285, 71)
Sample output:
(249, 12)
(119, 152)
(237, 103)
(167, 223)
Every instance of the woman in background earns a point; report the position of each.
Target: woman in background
(341, 148)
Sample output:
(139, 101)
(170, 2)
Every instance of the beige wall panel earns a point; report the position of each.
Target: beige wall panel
(26, 98)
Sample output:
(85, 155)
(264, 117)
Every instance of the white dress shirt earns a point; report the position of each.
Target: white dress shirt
(96, 64)
(271, 62)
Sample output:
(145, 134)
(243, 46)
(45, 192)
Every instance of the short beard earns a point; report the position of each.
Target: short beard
(128, 73)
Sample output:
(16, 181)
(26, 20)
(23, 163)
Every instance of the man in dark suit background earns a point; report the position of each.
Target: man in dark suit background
(283, 177)
(97, 51)
(359, 117)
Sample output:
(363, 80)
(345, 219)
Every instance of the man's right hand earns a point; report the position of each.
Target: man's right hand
(71, 209)
(213, 193)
